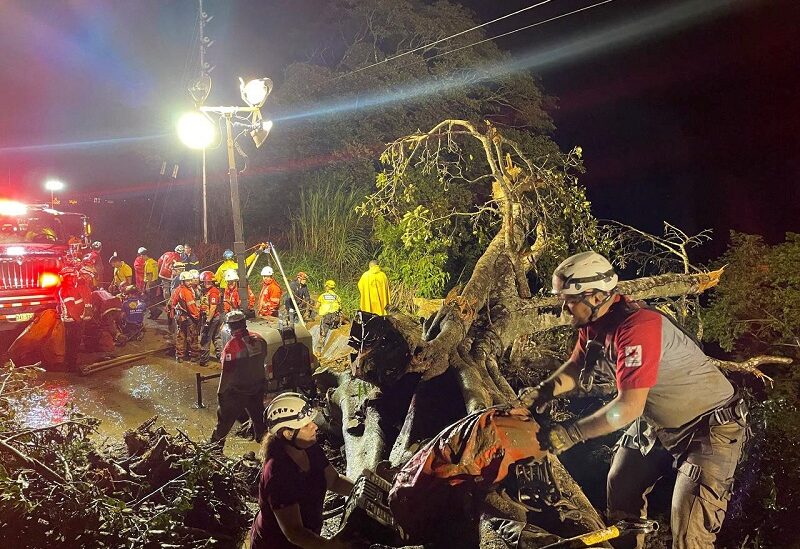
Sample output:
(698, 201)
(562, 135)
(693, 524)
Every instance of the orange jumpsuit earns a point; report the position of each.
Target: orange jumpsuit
(187, 319)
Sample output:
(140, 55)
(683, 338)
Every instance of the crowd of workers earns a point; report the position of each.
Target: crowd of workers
(681, 411)
(194, 301)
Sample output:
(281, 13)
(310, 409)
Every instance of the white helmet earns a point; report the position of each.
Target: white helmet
(179, 249)
(141, 250)
(267, 271)
(194, 274)
(230, 275)
(185, 275)
(582, 273)
(288, 410)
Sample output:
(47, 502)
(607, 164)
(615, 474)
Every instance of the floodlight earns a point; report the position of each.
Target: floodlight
(255, 92)
(260, 134)
(53, 185)
(196, 131)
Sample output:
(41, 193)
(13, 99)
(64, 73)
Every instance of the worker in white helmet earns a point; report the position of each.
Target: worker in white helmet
(294, 480)
(269, 300)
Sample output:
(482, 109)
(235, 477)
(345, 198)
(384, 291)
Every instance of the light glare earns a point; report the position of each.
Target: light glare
(54, 185)
(196, 131)
(255, 92)
(10, 207)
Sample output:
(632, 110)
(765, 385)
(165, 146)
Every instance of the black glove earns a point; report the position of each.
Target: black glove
(537, 397)
(560, 437)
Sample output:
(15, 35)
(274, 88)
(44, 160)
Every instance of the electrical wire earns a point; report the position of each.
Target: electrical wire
(446, 38)
(520, 29)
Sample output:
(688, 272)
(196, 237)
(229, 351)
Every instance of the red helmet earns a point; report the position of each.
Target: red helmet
(206, 276)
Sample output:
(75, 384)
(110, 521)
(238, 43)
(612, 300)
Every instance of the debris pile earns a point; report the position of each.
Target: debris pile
(57, 486)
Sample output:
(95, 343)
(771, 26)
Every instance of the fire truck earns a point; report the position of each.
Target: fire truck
(35, 243)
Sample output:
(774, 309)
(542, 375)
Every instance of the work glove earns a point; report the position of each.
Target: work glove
(262, 246)
(559, 437)
(536, 397)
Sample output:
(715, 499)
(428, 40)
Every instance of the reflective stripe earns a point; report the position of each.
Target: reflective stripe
(65, 299)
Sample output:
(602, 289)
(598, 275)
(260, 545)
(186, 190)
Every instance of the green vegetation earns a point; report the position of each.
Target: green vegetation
(756, 310)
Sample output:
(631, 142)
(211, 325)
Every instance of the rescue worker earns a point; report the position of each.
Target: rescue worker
(229, 262)
(269, 300)
(294, 479)
(133, 309)
(682, 409)
(165, 272)
(145, 269)
(187, 320)
(188, 256)
(123, 274)
(211, 314)
(329, 311)
(94, 260)
(178, 268)
(231, 298)
(373, 287)
(242, 381)
(73, 296)
(302, 296)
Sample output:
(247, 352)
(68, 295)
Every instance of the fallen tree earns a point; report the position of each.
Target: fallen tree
(417, 379)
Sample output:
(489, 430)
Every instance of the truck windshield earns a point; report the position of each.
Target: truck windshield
(36, 227)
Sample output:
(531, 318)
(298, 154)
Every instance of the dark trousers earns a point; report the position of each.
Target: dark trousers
(701, 493)
(213, 336)
(73, 336)
(233, 404)
(187, 335)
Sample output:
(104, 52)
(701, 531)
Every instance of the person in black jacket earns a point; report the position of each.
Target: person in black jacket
(241, 385)
(302, 296)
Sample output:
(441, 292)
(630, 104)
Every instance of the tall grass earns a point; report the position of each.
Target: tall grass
(327, 227)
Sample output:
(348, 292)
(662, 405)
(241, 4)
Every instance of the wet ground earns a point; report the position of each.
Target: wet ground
(125, 396)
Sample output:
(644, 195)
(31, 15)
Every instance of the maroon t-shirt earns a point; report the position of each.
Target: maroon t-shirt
(283, 484)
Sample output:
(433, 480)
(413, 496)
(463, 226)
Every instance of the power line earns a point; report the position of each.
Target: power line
(519, 29)
(443, 39)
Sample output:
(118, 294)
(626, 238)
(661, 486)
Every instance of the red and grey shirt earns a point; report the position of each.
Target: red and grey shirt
(643, 349)
(243, 364)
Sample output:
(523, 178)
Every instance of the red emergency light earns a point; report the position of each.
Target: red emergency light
(49, 280)
(11, 207)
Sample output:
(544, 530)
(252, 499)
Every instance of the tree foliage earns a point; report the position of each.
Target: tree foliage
(758, 300)
(331, 119)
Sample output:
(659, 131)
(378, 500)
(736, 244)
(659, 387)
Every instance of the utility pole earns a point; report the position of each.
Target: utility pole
(199, 92)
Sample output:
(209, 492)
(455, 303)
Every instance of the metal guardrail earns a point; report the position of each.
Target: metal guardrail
(198, 380)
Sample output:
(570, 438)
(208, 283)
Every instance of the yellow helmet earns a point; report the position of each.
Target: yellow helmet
(330, 284)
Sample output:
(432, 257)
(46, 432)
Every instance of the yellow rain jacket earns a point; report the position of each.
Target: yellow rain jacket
(231, 264)
(328, 302)
(150, 272)
(374, 289)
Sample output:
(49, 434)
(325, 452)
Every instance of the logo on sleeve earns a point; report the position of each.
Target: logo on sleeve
(633, 356)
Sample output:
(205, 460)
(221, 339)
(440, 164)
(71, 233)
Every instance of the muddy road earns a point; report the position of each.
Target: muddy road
(125, 396)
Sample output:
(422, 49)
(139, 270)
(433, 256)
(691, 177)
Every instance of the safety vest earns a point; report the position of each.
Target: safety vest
(328, 302)
(270, 298)
(73, 303)
(209, 298)
(232, 301)
(133, 310)
(183, 301)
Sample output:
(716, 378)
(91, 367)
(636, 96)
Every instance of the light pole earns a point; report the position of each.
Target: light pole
(53, 185)
(197, 131)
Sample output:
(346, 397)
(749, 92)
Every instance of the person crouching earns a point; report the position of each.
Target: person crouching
(294, 479)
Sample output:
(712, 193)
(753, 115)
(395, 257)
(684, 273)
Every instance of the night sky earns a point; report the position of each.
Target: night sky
(693, 121)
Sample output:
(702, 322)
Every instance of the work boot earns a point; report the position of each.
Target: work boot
(178, 359)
